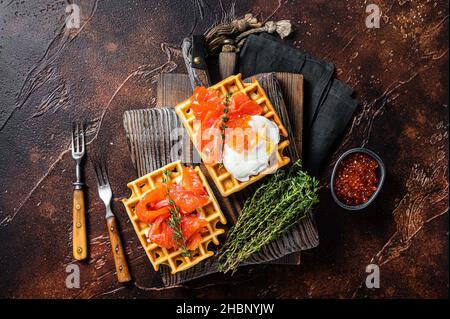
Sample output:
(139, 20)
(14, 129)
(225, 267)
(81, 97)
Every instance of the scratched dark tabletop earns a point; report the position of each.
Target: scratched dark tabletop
(50, 75)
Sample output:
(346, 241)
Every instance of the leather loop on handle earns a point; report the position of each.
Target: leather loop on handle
(79, 226)
(195, 59)
(123, 273)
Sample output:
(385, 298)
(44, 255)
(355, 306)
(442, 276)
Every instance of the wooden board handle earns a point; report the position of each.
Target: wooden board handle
(227, 64)
(123, 273)
(79, 226)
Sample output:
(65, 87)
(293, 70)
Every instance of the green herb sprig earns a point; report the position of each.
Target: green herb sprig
(225, 118)
(274, 208)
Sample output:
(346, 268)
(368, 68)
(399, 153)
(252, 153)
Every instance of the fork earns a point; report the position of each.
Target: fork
(79, 212)
(105, 193)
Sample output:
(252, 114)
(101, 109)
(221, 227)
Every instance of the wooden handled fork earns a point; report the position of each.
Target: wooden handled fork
(105, 193)
(79, 213)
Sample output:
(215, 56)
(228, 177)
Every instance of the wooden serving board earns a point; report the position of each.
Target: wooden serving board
(150, 141)
(173, 88)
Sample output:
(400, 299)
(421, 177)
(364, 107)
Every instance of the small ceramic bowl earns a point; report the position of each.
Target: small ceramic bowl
(381, 172)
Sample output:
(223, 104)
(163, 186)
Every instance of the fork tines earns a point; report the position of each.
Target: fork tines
(78, 144)
(100, 173)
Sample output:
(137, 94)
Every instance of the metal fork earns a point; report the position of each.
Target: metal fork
(105, 193)
(79, 212)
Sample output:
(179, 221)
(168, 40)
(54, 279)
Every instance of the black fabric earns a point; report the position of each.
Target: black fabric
(328, 105)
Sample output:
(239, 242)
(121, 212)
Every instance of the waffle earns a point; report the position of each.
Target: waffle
(173, 258)
(224, 181)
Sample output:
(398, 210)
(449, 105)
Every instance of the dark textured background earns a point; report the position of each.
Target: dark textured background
(50, 76)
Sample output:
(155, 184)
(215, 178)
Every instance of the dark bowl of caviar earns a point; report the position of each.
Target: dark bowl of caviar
(357, 178)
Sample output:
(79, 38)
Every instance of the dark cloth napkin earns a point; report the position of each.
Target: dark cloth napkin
(328, 105)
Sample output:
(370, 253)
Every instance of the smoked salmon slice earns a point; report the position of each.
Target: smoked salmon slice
(158, 205)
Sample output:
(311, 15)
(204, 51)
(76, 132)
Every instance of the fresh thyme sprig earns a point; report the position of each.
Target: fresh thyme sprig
(225, 118)
(166, 175)
(273, 209)
(175, 225)
(175, 219)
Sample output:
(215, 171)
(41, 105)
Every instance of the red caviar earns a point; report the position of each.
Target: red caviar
(356, 179)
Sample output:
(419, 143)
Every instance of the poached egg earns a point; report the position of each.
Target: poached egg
(260, 138)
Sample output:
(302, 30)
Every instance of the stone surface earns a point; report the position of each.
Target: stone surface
(50, 75)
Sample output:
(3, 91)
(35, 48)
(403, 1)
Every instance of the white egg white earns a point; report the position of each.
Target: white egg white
(251, 162)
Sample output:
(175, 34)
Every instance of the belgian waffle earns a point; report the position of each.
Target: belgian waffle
(224, 181)
(211, 212)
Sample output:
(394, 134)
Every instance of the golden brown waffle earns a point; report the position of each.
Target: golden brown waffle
(226, 183)
(211, 212)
